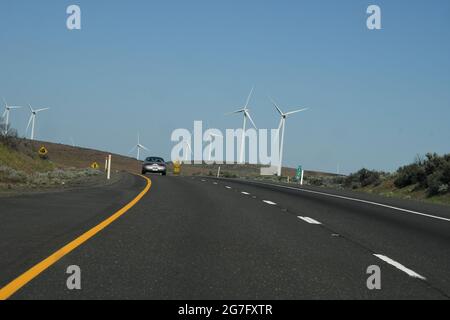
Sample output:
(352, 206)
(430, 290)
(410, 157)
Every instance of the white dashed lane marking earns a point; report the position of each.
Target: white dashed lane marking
(358, 200)
(386, 259)
(399, 266)
(309, 220)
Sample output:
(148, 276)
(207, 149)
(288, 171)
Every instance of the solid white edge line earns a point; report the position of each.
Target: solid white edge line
(359, 200)
(270, 202)
(399, 266)
(309, 220)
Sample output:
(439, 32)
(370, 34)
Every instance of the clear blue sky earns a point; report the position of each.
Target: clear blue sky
(377, 98)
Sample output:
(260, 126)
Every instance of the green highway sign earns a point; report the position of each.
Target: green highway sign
(298, 174)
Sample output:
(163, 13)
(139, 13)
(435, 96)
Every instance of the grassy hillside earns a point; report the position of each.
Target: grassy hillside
(22, 154)
(76, 157)
(22, 168)
(22, 157)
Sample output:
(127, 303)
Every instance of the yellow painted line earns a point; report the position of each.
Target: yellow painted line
(11, 288)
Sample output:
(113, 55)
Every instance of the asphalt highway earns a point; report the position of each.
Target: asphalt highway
(205, 238)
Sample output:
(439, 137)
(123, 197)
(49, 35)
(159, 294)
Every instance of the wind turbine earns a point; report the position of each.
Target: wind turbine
(246, 112)
(6, 115)
(33, 119)
(139, 147)
(282, 127)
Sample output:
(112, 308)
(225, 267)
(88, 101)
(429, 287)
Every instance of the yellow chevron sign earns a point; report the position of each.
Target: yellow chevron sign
(95, 165)
(43, 151)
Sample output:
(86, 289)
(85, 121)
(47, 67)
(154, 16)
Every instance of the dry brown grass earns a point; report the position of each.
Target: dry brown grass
(65, 156)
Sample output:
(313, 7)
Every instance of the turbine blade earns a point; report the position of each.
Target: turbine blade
(6, 104)
(296, 111)
(251, 120)
(235, 112)
(248, 98)
(43, 109)
(4, 113)
(14, 107)
(145, 148)
(277, 107)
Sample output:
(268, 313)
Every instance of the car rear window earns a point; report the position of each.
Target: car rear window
(154, 159)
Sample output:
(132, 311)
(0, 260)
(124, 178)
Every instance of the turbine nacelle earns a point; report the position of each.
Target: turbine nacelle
(283, 114)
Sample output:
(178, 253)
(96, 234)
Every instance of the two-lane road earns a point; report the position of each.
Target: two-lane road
(202, 238)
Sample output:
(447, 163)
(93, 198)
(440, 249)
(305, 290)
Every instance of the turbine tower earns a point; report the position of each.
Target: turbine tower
(6, 115)
(246, 112)
(138, 147)
(282, 127)
(33, 119)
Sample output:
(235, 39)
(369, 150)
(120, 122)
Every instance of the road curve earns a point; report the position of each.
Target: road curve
(203, 238)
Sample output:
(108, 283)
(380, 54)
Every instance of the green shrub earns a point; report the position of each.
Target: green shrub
(363, 178)
(409, 175)
(446, 172)
(315, 181)
(431, 173)
(433, 163)
(229, 175)
(435, 184)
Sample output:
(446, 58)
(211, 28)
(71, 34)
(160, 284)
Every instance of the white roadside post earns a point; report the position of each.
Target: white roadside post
(106, 164)
(109, 168)
(301, 177)
(218, 172)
